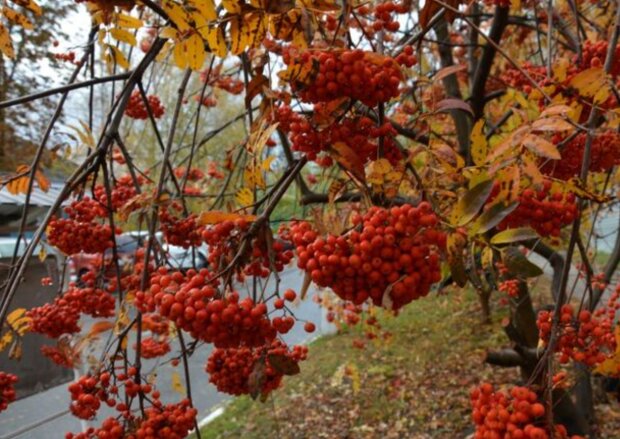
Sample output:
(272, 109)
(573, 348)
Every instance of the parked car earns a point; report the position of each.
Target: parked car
(127, 243)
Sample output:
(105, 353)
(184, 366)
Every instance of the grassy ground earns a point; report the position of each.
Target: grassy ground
(414, 384)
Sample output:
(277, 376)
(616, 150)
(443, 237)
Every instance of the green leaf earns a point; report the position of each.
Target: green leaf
(514, 235)
(472, 202)
(493, 216)
(518, 264)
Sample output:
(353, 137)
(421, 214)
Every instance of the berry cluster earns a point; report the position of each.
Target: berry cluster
(225, 238)
(88, 393)
(587, 338)
(510, 287)
(95, 302)
(67, 57)
(230, 369)
(359, 75)
(544, 210)
(54, 319)
(510, 416)
(172, 421)
(153, 348)
(605, 154)
(594, 54)
(360, 134)
(182, 232)
(123, 191)
(194, 174)
(80, 232)
(137, 109)
(190, 302)
(391, 256)
(7, 389)
(58, 356)
(62, 315)
(111, 428)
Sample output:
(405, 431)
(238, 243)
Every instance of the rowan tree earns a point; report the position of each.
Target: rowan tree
(424, 143)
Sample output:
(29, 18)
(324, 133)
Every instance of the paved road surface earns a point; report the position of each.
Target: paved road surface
(50, 407)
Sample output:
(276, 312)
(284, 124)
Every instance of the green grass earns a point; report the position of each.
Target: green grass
(414, 383)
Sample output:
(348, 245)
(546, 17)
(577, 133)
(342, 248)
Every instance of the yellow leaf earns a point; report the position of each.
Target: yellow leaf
(205, 7)
(177, 14)
(300, 72)
(541, 147)
(5, 42)
(255, 27)
(530, 169)
(611, 366)
(232, 6)
(18, 320)
(590, 81)
(176, 383)
(115, 55)
(123, 35)
(216, 41)
(245, 197)
(216, 217)
(561, 68)
(42, 254)
(479, 144)
(239, 38)
(17, 18)
(194, 51)
(30, 5)
(6, 340)
(253, 177)
(124, 20)
(259, 137)
(266, 165)
(553, 123)
(556, 110)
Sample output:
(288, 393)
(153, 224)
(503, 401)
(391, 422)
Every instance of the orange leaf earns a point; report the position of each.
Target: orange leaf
(216, 216)
(348, 159)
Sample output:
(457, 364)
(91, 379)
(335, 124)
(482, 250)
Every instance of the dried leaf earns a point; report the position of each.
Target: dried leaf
(283, 364)
(492, 217)
(471, 203)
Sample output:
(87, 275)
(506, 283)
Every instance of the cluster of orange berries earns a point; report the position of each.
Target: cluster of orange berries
(510, 287)
(544, 210)
(67, 57)
(594, 54)
(137, 109)
(63, 314)
(182, 232)
(230, 369)
(58, 356)
(172, 421)
(194, 174)
(80, 232)
(355, 74)
(360, 134)
(122, 191)
(586, 337)
(151, 347)
(190, 301)
(391, 256)
(605, 154)
(89, 392)
(225, 238)
(516, 415)
(7, 389)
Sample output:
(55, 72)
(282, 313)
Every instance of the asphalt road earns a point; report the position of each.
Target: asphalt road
(45, 415)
